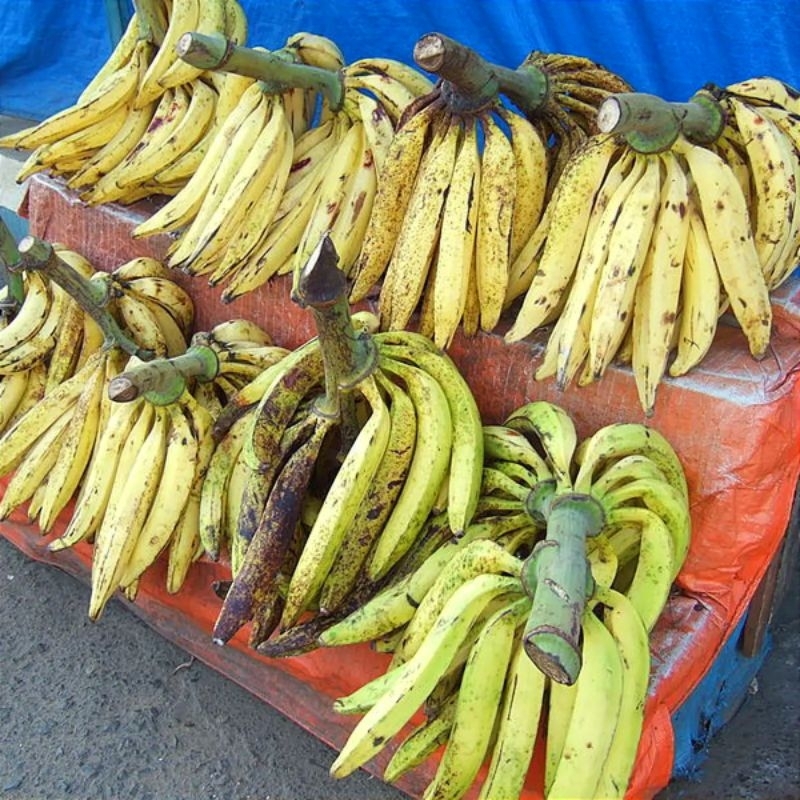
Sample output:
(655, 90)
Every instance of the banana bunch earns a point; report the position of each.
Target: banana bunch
(261, 199)
(156, 311)
(330, 462)
(303, 540)
(484, 700)
(639, 256)
(459, 194)
(140, 124)
(135, 468)
(47, 340)
(467, 182)
(458, 624)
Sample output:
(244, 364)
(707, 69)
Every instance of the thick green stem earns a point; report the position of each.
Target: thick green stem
(651, 124)
(348, 356)
(10, 260)
(276, 70)
(704, 119)
(163, 380)
(558, 578)
(90, 296)
(471, 82)
(648, 122)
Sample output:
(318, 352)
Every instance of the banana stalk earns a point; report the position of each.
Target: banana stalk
(348, 356)
(471, 82)
(276, 70)
(651, 124)
(163, 380)
(92, 296)
(557, 577)
(10, 260)
(151, 25)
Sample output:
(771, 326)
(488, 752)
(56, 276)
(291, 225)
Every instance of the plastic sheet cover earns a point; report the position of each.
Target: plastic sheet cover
(51, 48)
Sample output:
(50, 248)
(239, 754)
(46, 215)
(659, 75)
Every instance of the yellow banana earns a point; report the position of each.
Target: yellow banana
(496, 199)
(419, 231)
(456, 252)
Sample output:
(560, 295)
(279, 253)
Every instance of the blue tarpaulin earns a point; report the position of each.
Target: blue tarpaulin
(667, 47)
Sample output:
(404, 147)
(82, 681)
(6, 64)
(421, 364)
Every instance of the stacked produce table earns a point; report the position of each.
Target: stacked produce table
(734, 422)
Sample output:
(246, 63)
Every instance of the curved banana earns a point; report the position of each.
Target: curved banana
(496, 200)
(592, 722)
(700, 298)
(429, 465)
(633, 644)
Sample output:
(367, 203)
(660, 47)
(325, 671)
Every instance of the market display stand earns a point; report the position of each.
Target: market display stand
(734, 422)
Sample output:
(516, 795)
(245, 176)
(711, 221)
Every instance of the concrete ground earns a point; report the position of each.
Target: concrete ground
(112, 709)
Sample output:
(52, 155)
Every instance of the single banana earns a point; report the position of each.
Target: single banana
(496, 199)
(664, 500)
(597, 701)
(12, 390)
(456, 251)
(555, 431)
(700, 298)
(518, 725)
(652, 579)
(634, 646)
(422, 742)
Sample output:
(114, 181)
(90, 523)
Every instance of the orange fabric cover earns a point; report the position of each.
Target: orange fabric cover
(734, 422)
